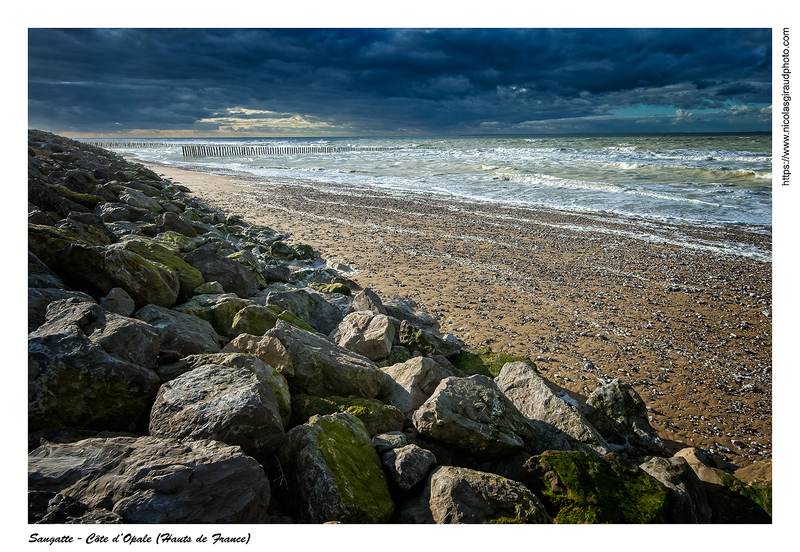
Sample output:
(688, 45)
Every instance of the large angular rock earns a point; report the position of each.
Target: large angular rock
(267, 348)
(425, 341)
(155, 480)
(40, 275)
(688, 502)
(366, 333)
(322, 368)
(81, 374)
(472, 414)
(559, 425)
(580, 487)
(332, 473)
(139, 200)
(620, 415)
(461, 495)
(731, 499)
(97, 270)
(234, 277)
(408, 465)
(40, 298)
(309, 306)
(179, 331)
(231, 405)
(409, 384)
(368, 300)
(150, 249)
(264, 371)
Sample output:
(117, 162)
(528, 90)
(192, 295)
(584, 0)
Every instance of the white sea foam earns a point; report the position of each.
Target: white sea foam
(713, 179)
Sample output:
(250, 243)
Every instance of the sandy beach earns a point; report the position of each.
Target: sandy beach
(585, 296)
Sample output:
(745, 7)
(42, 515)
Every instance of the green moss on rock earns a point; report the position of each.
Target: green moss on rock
(484, 361)
(376, 416)
(579, 487)
(87, 200)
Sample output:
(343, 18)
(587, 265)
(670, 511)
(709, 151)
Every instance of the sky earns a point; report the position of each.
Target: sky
(113, 82)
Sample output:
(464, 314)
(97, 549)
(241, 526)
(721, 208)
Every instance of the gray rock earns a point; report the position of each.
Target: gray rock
(118, 301)
(368, 300)
(218, 310)
(234, 277)
(179, 331)
(40, 298)
(559, 425)
(310, 306)
(461, 495)
(322, 368)
(408, 465)
(620, 415)
(40, 275)
(137, 199)
(154, 480)
(231, 405)
(74, 381)
(268, 349)
(366, 333)
(388, 441)
(688, 502)
(48, 507)
(473, 415)
(169, 221)
(112, 212)
(409, 384)
(332, 473)
(250, 362)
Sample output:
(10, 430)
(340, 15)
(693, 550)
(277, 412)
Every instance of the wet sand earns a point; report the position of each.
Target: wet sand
(585, 296)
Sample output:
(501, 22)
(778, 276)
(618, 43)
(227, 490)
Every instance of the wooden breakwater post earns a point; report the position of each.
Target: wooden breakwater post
(223, 150)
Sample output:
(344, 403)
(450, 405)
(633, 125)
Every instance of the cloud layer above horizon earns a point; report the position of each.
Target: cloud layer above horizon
(338, 82)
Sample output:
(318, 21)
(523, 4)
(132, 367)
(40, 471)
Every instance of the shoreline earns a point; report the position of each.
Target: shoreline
(690, 329)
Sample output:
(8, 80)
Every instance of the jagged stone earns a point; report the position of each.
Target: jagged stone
(409, 384)
(332, 473)
(474, 416)
(231, 405)
(365, 333)
(559, 425)
(155, 480)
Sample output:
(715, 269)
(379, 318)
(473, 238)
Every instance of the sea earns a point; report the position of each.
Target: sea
(713, 179)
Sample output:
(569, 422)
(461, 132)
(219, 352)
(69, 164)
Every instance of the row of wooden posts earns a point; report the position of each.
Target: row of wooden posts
(224, 150)
(207, 150)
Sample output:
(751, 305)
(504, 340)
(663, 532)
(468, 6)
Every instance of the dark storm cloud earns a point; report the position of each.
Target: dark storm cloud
(371, 80)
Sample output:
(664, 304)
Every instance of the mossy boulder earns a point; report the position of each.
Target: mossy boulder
(280, 250)
(581, 487)
(309, 306)
(46, 241)
(97, 270)
(425, 341)
(75, 382)
(188, 276)
(219, 310)
(249, 260)
(331, 288)
(484, 361)
(182, 243)
(377, 417)
(87, 200)
(332, 473)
